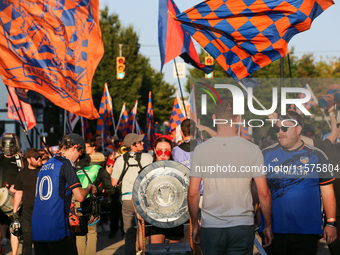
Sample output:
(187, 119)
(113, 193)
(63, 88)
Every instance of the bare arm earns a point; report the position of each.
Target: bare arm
(210, 131)
(81, 193)
(329, 205)
(266, 208)
(334, 129)
(17, 199)
(114, 182)
(193, 199)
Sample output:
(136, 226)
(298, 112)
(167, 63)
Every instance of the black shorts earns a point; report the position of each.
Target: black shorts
(176, 233)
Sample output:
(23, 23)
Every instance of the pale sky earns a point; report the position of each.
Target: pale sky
(323, 39)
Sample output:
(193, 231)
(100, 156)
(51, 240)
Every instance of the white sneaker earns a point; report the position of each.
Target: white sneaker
(99, 229)
(106, 227)
(4, 241)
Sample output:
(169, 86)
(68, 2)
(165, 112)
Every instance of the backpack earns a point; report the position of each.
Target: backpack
(126, 157)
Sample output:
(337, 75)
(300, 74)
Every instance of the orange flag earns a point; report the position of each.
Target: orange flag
(24, 109)
(52, 47)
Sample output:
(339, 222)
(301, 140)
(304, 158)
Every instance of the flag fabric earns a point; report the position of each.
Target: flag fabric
(85, 129)
(52, 47)
(24, 109)
(242, 130)
(123, 119)
(105, 116)
(139, 131)
(177, 116)
(192, 101)
(312, 102)
(71, 120)
(174, 41)
(22, 95)
(246, 35)
(150, 126)
(131, 122)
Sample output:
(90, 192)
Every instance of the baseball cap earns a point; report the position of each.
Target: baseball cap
(32, 153)
(308, 130)
(97, 158)
(132, 138)
(76, 139)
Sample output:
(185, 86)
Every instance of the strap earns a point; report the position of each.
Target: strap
(127, 193)
(126, 163)
(87, 175)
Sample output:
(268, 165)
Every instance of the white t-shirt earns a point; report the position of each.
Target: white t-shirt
(131, 174)
(222, 163)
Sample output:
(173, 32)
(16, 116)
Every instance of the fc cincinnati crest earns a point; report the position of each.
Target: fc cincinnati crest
(304, 159)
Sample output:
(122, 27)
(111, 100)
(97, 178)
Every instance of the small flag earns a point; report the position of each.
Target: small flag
(177, 116)
(150, 126)
(123, 119)
(85, 129)
(24, 109)
(105, 116)
(130, 125)
(71, 120)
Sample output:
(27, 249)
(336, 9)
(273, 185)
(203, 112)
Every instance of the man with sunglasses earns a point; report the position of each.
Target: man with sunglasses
(25, 191)
(296, 174)
(125, 170)
(57, 180)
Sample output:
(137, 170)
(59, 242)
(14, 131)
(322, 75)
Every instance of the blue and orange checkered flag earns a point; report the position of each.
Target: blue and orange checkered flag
(131, 123)
(139, 131)
(174, 41)
(85, 129)
(150, 126)
(242, 130)
(177, 116)
(312, 102)
(123, 119)
(105, 115)
(53, 48)
(246, 35)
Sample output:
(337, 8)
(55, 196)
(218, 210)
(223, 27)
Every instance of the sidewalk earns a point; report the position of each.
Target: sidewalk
(115, 246)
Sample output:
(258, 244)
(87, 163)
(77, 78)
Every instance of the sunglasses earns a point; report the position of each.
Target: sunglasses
(277, 129)
(160, 152)
(39, 157)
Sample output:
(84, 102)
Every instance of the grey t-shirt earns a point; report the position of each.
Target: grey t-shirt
(131, 174)
(227, 165)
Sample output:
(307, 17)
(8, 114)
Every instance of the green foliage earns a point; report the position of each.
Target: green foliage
(304, 70)
(139, 79)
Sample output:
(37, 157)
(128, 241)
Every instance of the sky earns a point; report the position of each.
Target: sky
(322, 39)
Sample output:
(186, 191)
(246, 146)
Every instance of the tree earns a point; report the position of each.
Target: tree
(304, 70)
(139, 78)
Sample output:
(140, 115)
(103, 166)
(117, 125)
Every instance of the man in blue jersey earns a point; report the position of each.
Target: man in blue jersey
(297, 173)
(57, 180)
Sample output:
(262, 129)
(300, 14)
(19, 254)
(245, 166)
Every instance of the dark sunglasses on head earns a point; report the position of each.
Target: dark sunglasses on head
(277, 129)
(37, 158)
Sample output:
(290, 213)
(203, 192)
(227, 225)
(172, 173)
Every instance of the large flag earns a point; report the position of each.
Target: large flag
(85, 129)
(52, 47)
(244, 36)
(71, 121)
(177, 116)
(131, 123)
(105, 115)
(312, 102)
(150, 126)
(174, 41)
(123, 119)
(24, 109)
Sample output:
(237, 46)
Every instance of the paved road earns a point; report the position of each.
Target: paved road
(115, 246)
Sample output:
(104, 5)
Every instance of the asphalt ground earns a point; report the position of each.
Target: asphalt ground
(116, 246)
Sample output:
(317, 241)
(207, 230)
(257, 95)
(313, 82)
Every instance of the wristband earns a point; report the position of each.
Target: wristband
(331, 220)
(331, 224)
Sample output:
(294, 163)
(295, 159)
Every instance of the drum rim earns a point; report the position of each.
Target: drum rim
(159, 164)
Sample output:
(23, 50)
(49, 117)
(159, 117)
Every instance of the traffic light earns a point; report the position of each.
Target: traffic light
(209, 61)
(120, 66)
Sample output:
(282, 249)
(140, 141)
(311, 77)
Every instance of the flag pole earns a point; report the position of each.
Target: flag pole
(22, 124)
(256, 100)
(180, 88)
